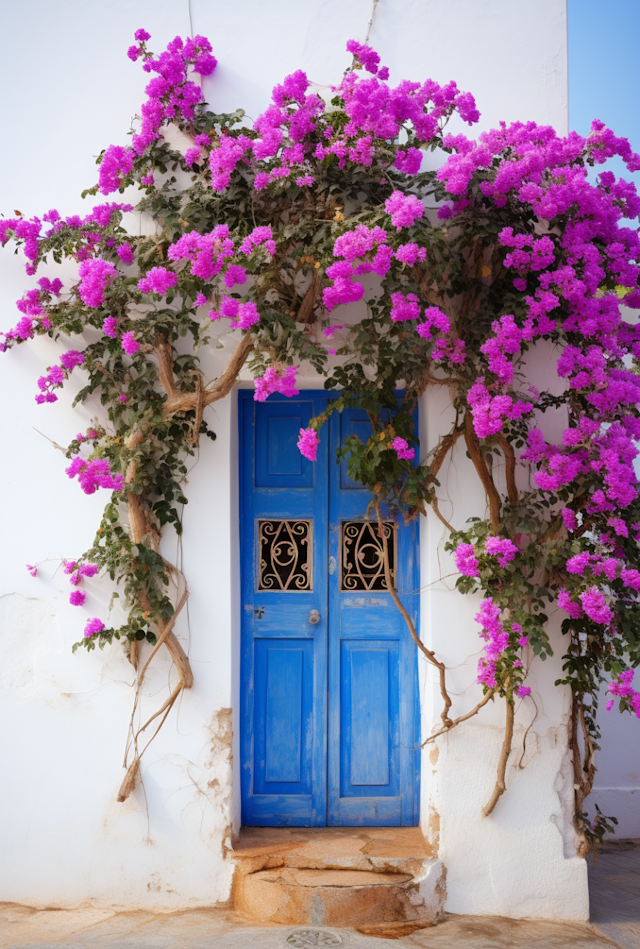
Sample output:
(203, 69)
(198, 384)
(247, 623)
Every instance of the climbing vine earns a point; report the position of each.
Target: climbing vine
(260, 235)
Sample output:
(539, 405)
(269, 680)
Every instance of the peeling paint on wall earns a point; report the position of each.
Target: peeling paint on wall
(220, 761)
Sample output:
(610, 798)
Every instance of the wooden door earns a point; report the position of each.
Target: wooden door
(328, 669)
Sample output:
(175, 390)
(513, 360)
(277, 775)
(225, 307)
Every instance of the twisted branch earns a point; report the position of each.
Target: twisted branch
(141, 526)
(178, 401)
(460, 719)
(440, 515)
(583, 770)
(441, 452)
(473, 446)
(510, 470)
(430, 656)
(500, 786)
(443, 448)
(311, 297)
(138, 527)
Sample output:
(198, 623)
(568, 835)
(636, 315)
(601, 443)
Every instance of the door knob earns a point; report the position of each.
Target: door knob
(314, 617)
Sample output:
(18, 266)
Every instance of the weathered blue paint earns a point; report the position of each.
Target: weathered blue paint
(369, 638)
(329, 722)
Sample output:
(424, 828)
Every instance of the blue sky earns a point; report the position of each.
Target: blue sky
(604, 69)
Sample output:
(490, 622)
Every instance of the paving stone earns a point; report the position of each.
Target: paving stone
(220, 929)
(613, 881)
(614, 888)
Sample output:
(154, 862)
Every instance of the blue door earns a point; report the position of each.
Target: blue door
(329, 695)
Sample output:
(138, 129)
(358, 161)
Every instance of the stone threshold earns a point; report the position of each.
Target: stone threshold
(332, 875)
(376, 849)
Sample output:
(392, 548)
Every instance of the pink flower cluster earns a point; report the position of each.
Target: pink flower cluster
(411, 254)
(57, 375)
(449, 350)
(404, 209)
(35, 314)
(115, 167)
(490, 411)
(565, 270)
(92, 627)
(194, 155)
(28, 231)
(87, 234)
(288, 130)
(364, 250)
(110, 327)
(592, 603)
(466, 560)
(275, 380)
(496, 638)
(503, 549)
(308, 443)
(368, 58)
(170, 95)
(76, 574)
(242, 315)
(130, 344)
(91, 434)
(586, 598)
(435, 320)
(374, 108)
(210, 254)
(621, 686)
(281, 144)
(95, 274)
(405, 307)
(94, 474)
(158, 280)
(402, 450)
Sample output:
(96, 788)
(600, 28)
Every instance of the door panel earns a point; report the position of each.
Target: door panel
(368, 638)
(352, 423)
(278, 463)
(370, 718)
(284, 656)
(283, 718)
(329, 710)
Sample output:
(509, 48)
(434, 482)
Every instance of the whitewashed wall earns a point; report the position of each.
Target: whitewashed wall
(616, 789)
(521, 860)
(65, 717)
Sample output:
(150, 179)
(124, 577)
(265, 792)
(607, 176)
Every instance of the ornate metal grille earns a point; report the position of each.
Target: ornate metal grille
(362, 555)
(285, 555)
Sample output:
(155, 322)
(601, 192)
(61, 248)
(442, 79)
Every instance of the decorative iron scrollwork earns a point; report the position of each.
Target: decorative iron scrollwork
(285, 555)
(363, 555)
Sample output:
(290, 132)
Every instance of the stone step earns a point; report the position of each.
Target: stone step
(326, 897)
(387, 849)
(339, 876)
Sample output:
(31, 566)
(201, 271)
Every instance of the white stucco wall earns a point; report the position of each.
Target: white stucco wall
(616, 788)
(65, 717)
(521, 860)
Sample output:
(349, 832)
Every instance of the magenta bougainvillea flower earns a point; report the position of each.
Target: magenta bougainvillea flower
(308, 443)
(93, 627)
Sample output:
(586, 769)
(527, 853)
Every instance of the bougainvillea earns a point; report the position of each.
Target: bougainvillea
(530, 245)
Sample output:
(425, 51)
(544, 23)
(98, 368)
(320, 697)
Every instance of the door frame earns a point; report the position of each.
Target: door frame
(411, 809)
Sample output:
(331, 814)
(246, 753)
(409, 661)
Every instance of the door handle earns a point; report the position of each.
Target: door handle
(314, 617)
